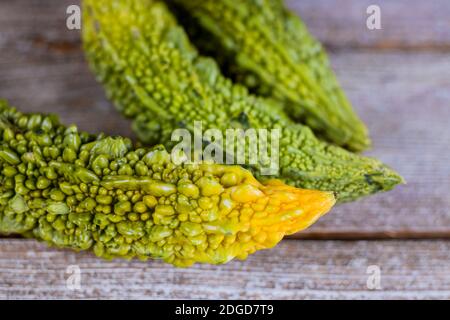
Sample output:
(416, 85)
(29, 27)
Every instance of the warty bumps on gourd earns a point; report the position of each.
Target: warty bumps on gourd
(87, 192)
(155, 76)
(268, 48)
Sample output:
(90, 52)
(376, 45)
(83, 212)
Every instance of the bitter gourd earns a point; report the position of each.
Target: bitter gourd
(268, 48)
(86, 192)
(156, 77)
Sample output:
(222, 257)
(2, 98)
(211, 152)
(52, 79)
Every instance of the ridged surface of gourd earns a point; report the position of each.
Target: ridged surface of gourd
(155, 76)
(268, 48)
(86, 192)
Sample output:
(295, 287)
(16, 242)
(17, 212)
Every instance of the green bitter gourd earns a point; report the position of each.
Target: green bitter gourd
(75, 190)
(155, 76)
(265, 46)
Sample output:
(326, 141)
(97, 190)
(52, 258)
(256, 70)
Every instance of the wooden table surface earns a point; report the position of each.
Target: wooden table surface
(398, 79)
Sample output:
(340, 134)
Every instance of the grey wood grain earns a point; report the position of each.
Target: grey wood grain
(341, 24)
(405, 24)
(404, 98)
(293, 270)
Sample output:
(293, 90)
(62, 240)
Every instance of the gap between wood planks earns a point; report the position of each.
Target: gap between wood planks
(387, 47)
(351, 235)
(62, 46)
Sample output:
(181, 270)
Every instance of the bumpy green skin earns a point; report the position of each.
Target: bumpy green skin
(85, 192)
(154, 76)
(268, 48)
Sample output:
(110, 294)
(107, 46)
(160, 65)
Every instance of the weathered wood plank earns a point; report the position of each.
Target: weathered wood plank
(44, 69)
(406, 24)
(404, 100)
(293, 270)
(62, 86)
